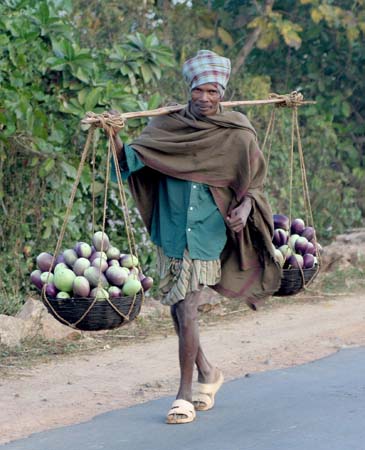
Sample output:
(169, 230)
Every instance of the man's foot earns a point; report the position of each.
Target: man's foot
(181, 411)
(204, 398)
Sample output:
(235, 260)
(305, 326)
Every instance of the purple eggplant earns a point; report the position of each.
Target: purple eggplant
(35, 278)
(280, 237)
(294, 262)
(297, 226)
(51, 290)
(311, 249)
(301, 245)
(308, 233)
(281, 221)
(308, 261)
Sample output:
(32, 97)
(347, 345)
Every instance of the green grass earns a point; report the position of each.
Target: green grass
(351, 279)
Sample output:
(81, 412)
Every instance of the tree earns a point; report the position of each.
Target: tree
(49, 81)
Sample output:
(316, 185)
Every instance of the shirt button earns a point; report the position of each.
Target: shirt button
(194, 186)
(189, 229)
(191, 208)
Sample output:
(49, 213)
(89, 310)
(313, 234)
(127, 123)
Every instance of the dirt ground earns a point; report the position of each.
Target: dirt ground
(73, 389)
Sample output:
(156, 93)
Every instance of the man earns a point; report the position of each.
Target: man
(197, 178)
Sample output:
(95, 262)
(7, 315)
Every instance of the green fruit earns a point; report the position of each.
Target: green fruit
(131, 287)
(95, 278)
(113, 253)
(81, 287)
(63, 279)
(129, 261)
(63, 295)
(81, 264)
(59, 266)
(99, 293)
(100, 241)
(70, 256)
(47, 277)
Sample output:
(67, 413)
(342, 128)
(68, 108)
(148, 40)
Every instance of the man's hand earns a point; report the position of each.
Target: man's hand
(238, 218)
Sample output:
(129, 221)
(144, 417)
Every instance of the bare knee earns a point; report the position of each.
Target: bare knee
(187, 310)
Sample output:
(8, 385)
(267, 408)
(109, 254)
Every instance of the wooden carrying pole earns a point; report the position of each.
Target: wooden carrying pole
(106, 119)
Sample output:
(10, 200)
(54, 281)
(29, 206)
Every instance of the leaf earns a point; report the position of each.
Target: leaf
(146, 73)
(56, 63)
(257, 22)
(267, 38)
(154, 101)
(69, 170)
(43, 12)
(68, 50)
(46, 167)
(346, 109)
(57, 48)
(206, 33)
(225, 37)
(4, 40)
(292, 39)
(316, 15)
(81, 74)
(92, 98)
(352, 33)
(81, 96)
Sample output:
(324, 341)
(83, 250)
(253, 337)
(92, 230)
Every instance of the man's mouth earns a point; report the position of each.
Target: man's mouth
(204, 107)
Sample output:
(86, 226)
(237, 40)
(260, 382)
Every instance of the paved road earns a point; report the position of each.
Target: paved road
(317, 406)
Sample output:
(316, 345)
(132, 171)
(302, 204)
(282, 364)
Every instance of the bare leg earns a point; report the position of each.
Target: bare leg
(207, 373)
(185, 317)
(188, 332)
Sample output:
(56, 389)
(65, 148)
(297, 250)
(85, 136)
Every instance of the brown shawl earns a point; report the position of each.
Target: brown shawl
(222, 152)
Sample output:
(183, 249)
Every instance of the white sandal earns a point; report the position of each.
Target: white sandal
(181, 407)
(204, 398)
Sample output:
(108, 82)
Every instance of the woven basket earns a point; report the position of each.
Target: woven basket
(294, 280)
(102, 316)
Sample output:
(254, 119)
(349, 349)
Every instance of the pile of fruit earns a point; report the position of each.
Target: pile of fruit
(294, 243)
(98, 271)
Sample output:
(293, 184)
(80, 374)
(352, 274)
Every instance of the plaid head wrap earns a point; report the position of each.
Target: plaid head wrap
(207, 67)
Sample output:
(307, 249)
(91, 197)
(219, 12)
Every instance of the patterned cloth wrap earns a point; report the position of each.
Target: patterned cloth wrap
(206, 67)
(179, 277)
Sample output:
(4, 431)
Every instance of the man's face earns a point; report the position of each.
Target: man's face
(205, 99)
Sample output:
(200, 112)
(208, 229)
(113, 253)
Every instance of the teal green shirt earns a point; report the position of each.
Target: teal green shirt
(185, 215)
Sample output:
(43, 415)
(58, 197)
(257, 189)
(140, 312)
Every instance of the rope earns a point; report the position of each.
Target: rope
(307, 200)
(130, 236)
(291, 157)
(93, 161)
(291, 100)
(66, 218)
(269, 135)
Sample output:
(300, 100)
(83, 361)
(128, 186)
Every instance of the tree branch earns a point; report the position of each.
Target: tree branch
(251, 41)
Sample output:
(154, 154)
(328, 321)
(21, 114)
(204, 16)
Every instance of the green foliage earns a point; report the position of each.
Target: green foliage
(49, 81)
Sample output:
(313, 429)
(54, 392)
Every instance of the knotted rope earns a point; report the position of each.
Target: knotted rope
(291, 100)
